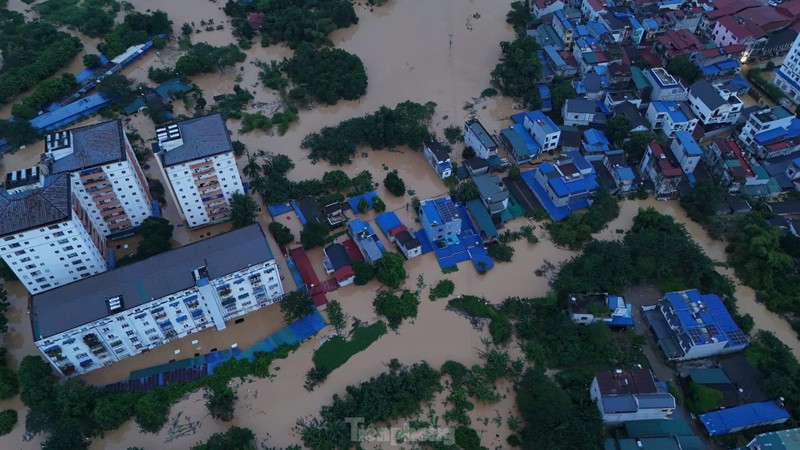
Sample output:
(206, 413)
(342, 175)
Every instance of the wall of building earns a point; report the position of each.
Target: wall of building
(159, 321)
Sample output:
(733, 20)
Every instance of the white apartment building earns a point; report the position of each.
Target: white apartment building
(476, 136)
(120, 313)
(105, 175)
(543, 130)
(46, 237)
(765, 120)
(714, 105)
(665, 86)
(197, 158)
(671, 117)
(787, 76)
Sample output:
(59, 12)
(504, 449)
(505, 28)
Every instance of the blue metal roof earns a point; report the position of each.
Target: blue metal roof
(710, 70)
(579, 161)
(544, 91)
(728, 64)
(556, 212)
(68, 113)
(635, 23)
(551, 53)
(579, 86)
(547, 123)
(582, 30)
(532, 146)
(386, 221)
(738, 418)
(368, 196)
(792, 131)
(688, 143)
(678, 116)
(625, 173)
(650, 24)
(710, 320)
(597, 27)
(595, 137)
(431, 209)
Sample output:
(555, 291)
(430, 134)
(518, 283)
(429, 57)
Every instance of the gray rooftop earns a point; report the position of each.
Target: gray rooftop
(707, 93)
(592, 82)
(202, 137)
(92, 145)
(438, 150)
(579, 105)
(491, 187)
(478, 130)
(22, 210)
(630, 110)
(84, 301)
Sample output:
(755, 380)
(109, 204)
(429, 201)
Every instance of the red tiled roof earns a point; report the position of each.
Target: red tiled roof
(726, 8)
(789, 9)
(304, 266)
(352, 250)
(769, 18)
(601, 57)
(344, 273)
(681, 40)
(663, 163)
(393, 232)
(596, 5)
(649, 57)
(256, 20)
(741, 27)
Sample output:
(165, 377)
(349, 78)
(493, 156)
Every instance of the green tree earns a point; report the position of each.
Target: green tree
(314, 234)
(243, 210)
(501, 252)
(364, 272)
(394, 184)
(91, 60)
(519, 16)
(617, 128)
(515, 173)
(389, 269)
(396, 308)
(328, 74)
(205, 58)
(702, 399)
(362, 205)
(518, 71)
(6, 273)
(701, 203)
(236, 438)
(465, 437)
(561, 92)
(466, 191)
(336, 180)
(111, 411)
(156, 237)
(296, 305)
(683, 68)
(239, 148)
(8, 419)
(336, 315)
(118, 87)
(453, 134)
(378, 205)
(186, 29)
(221, 403)
(635, 146)
(281, 233)
(9, 386)
(468, 153)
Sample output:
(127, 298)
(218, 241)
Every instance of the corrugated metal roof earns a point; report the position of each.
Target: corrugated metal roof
(202, 137)
(93, 145)
(35, 207)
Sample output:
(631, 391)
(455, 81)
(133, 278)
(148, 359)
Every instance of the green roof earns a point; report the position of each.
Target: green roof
(779, 440)
(658, 427)
(761, 173)
(690, 443)
(780, 112)
(483, 218)
(709, 376)
(662, 443)
(638, 78)
(590, 58)
(520, 149)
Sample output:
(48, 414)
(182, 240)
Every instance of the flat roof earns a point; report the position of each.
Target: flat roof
(740, 417)
(480, 132)
(84, 301)
(704, 318)
(688, 143)
(92, 145)
(30, 208)
(202, 137)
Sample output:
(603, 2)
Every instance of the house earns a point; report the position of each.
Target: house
(641, 85)
(438, 158)
(581, 112)
(724, 8)
(689, 325)
(676, 43)
(619, 75)
(541, 8)
(570, 139)
(727, 163)
(334, 214)
(476, 136)
(594, 144)
(787, 76)
(594, 86)
(720, 62)
(408, 244)
(712, 105)
(626, 395)
(439, 219)
(785, 208)
(637, 121)
(663, 171)
(665, 87)
(659, 434)
(778, 43)
(493, 193)
(600, 308)
(543, 130)
(592, 9)
(671, 117)
(686, 151)
(557, 62)
(545, 97)
(617, 165)
(310, 211)
(366, 240)
(519, 144)
(738, 418)
(563, 186)
(564, 28)
(336, 261)
(762, 124)
(681, 19)
(775, 440)
(476, 166)
(738, 29)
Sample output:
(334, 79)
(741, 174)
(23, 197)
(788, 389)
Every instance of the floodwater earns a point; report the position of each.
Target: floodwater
(422, 51)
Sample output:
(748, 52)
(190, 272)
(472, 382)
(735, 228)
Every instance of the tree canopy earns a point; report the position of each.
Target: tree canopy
(156, 236)
(395, 308)
(518, 71)
(205, 58)
(617, 128)
(683, 68)
(394, 184)
(327, 74)
(389, 269)
(243, 210)
(296, 305)
(635, 146)
(314, 234)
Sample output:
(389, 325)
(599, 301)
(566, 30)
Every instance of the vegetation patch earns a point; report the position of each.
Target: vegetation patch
(577, 229)
(137, 28)
(443, 289)
(326, 75)
(92, 17)
(337, 350)
(396, 308)
(476, 309)
(205, 58)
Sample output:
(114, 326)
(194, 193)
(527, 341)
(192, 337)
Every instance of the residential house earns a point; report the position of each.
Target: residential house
(641, 85)
(493, 193)
(712, 105)
(720, 62)
(594, 144)
(617, 28)
(785, 208)
(626, 395)
(439, 219)
(477, 166)
(739, 29)
(581, 112)
(738, 418)
(543, 130)
(570, 139)
(724, 8)
(592, 9)
(123, 312)
(618, 75)
(727, 163)
(665, 87)
(366, 240)
(775, 440)
(337, 262)
(614, 98)
(600, 308)
(662, 169)
(557, 63)
(762, 124)
(617, 165)
(689, 325)
(676, 43)
(547, 73)
(519, 144)
(476, 136)
(594, 86)
(793, 173)
(787, 76)
(637, 121)
(563, 186)
(438, 158)
(681, 19)
(564, 28)
(408, 244)
(778, 43)
(310, 211)
(686, 151)
(671, 117)
(334, 214)
(588, 53)
(546, 35)
(541, 8)
(658, 434)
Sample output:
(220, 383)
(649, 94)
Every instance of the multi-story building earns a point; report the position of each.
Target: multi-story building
(787, 76)
(492, 192)
(564, 186)
(690, 325)
(543, 130)
(738, 29)
(564, 28)
(123, 312)
(671, 117)
(665, 86)
(366, 240)
(439, 219)
(662, 169)
(476, 136)
(438, 158)
(581, 112)
(676, 43)
(686, 151)
(617, 165)
(543, 7)
(712, 105)
(46, 237)
(197, 158)
(105, 175)
(763, 121)
(623, 396)
(592, 9)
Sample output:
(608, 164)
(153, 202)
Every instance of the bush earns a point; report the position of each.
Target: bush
(221, 403)
(9, 386)
(328, 74)
(378, 205)
(501, 252)
(296, 305)
(489, 92)
(8, 419)
(395, 308)
(443, 288)
(467, 438)
(364, 272)
(702, 399)
(394, 184)
(453, 134)
(390, 270)
(335, 315)
(281, 233)
(313, 235)
(91, 61)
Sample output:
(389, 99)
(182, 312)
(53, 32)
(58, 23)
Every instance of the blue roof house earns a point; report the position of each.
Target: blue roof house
(564, 186)
(686, 151)
(689, 325)
(594, 144)
(731, 420)
(439, 219)
(543, 129)
(476, 136)
(519, 144)
(366, 240)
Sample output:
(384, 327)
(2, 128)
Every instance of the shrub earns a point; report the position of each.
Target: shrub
(395, 308)
(394, 184)
(337, 350)
(378, 205)
(8, 419)
(501, 252)
(364, 272)
(443, 288)
(281, 233)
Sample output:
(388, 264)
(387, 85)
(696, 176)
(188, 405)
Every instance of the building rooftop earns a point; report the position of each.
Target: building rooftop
(193, 139)
(709, 376)
(337, 255)
(438, 150)
(706, 93)
(84, 147)
(662, 77)
(407, 239)
(440, 210)
(579, 105)
(777, 440)
(741, 26)
(702, 319)
(635, 117)
(36, 204)
(688, 143)
(728, 420)
(521, 141)
(491, 187)
(543, 121)
(480, 132)
(668, 167)
(365, 237)
(85, 301)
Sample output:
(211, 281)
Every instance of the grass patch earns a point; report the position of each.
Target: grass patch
(476, 308)
(451, 269)
(337, 350)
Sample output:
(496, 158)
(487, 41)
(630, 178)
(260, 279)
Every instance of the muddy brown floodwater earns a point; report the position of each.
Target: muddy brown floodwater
(438, 51)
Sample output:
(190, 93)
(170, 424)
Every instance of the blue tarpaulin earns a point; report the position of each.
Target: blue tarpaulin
(369, 196)
(276, 210)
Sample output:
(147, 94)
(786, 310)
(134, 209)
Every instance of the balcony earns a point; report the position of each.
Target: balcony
(97, 181)
(206, 181)
(99, 188)
(201, 166)
(105, 196)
